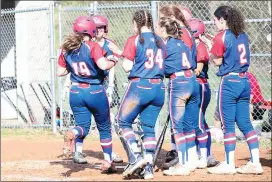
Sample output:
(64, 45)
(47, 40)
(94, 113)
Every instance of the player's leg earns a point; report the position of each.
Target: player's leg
(178, 97)
(201, 134)
(130, 107)
(98, 104)
(207, 98)
(229, 90)
(191, 124)
(148, 118)
(82, 121)
(245, 125)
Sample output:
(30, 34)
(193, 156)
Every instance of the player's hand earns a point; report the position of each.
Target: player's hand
(197, 72)
(65, 93)
(114, 48)
(206, 41)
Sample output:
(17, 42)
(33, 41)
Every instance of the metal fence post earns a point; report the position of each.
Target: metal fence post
(60, 83)
(52, 65)
(154, 12)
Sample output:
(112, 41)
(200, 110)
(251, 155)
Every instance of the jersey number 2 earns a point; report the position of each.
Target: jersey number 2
(242, 50)
(81, 69)
(158, 59)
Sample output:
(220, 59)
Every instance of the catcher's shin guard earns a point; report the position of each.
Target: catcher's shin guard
(129, 151)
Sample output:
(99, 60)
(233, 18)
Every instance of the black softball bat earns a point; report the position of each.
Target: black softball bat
(19, 112)
(160, 141)
(30, 113)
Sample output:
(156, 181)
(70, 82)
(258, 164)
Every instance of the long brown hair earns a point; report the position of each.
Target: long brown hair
(144, 18)
(72, 42)
(171, 26)
(172, 10)
(233, 17)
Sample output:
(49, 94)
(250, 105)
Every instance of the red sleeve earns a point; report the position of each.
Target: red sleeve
(96, 51)
(202, 53)
(218, 48)
(186, 37)
(130, 48)
(61, 61)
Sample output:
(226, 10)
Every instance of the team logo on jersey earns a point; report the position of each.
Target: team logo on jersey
(178, 44)
(152, 39)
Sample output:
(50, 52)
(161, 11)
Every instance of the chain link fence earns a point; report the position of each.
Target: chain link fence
(28, 59)
(25, 67)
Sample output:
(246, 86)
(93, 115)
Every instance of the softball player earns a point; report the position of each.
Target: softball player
(203, 135)
(230, 51)
(86, 62)
(110, 83)
(144, 59)
(183, 93)
(175, 13)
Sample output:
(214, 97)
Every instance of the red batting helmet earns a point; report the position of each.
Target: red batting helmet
(197, 26)
(84, 24)
(100, 20)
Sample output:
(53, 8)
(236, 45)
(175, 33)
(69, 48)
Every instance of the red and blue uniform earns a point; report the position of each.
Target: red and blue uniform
(234, 89)
(144, 95)
(87, 94)
(183, 94)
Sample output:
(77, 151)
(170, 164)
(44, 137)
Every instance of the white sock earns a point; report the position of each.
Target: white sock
(107, 157)
(78, 146)
(181, 162)
(149, 158)
(173, 146)
(231, 158)
(203, 153)
(192, 155)
(255, 155)
(75, 132)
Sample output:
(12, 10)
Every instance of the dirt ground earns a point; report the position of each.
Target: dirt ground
(37, 158)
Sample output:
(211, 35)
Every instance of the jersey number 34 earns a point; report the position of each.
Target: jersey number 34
(158, 59)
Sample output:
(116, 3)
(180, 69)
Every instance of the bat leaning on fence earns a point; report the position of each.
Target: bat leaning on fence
(47, 99)
(160, 141)
(30, 113)
(19, 112)
(46, 111)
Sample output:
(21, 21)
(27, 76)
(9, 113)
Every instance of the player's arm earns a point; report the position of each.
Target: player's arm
(97, 54)
(128, 55)
(62, 67)
(111, 77)
(202, 57)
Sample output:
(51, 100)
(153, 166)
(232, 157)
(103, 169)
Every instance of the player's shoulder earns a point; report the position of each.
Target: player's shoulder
(133, 39)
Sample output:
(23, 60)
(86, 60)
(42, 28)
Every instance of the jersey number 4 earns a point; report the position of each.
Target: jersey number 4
(242, 50)
(158, 59)
(81, 69)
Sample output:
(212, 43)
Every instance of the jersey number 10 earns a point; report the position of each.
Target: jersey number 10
(158, 59)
